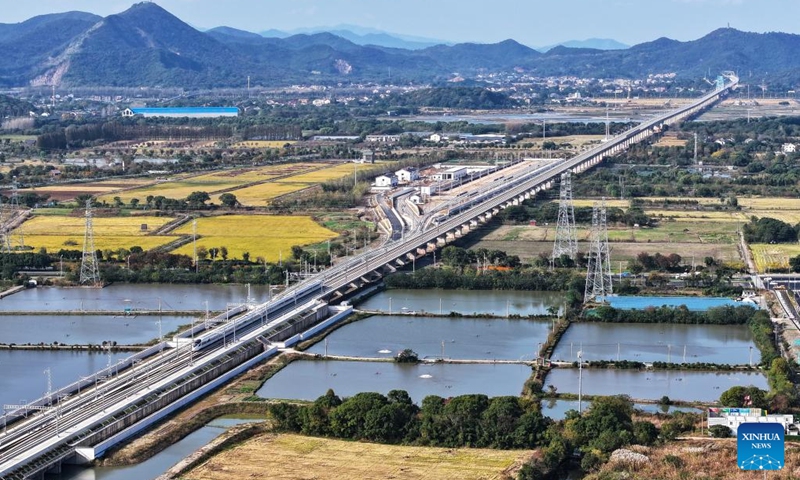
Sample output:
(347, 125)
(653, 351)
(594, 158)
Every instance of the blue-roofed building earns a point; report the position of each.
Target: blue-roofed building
(180, 112)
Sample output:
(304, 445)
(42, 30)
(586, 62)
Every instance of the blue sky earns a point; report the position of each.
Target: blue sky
(532, 22)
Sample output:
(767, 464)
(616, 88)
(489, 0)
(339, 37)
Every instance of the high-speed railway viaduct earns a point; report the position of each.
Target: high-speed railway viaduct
(85, 419)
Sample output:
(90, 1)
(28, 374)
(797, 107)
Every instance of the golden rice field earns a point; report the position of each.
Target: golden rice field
(261, 235)
(326, 174)
(57, 232)
(211, 182)
(299, 457)
(773, 256)
(260, 195)
(263, 143)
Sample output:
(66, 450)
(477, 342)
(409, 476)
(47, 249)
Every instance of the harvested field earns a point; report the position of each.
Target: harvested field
(620, 251)
(261, 235)
(211, 182)
(263, 143)
(68, 192)
(666, 232)
(297, 457)
(671, 140)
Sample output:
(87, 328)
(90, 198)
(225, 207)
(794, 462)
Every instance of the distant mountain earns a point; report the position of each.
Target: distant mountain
(591, 43)
(233, 32)
(383, 40)
(148, 46)
(29, 45)
(468, 57)
(364, 36)
(145, 45)
(272, 33)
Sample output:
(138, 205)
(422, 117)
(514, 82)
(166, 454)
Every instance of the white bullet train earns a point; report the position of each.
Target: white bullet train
(218, 334)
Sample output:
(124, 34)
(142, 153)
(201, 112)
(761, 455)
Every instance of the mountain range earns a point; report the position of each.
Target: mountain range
(147, 46)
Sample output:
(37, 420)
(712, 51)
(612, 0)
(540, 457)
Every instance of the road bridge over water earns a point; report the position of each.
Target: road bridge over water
(81, 421)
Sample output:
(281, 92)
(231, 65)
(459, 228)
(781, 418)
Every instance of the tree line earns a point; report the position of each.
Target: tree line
(86, 134)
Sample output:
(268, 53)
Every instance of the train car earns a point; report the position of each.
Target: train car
(218, 334)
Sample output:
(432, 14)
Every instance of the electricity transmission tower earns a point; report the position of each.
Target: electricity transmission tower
(566, 236)
(5, 238)
(14, 214)
(90, 275)
(598, 277)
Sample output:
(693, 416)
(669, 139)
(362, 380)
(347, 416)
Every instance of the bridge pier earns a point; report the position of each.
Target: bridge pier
(441, 241)
(431, 247)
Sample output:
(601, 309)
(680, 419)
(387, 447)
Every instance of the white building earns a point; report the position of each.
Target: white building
(386, 181)
(181, 112)
(407, 175)
(382, 138)
(733, 417)
(789, 148)
(453, 173)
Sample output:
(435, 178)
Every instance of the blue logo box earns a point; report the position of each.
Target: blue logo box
(760, 446)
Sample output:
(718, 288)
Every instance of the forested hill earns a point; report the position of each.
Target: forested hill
(148, 46)
(11, 107)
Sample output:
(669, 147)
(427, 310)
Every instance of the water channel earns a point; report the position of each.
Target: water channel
(86, 329)
(557, 409)
(723, 344)
(692, 303)
(465, 302)
(309, 379)
(23, 379)
(652, 385)
(159, 463)
(460, 338)
(122, 297)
